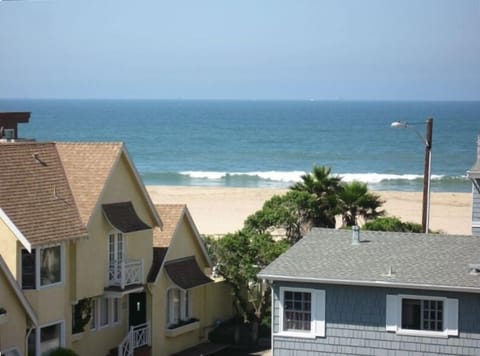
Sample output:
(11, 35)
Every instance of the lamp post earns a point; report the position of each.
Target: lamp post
(427, 171)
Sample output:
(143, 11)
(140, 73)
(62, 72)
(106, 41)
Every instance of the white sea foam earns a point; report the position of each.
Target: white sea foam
(295, 176)
(377, 177)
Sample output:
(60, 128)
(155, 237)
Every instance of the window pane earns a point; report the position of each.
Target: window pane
(49, 338)
(50, 265)
(104, 312)
(297, 311)
(116, 312)
(28, 269)
(411, 316)
(93, 320)
(422, 314)
(174, 306)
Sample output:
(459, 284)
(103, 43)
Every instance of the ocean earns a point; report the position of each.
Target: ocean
(269, 143)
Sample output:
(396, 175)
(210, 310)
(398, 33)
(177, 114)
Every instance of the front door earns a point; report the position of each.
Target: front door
(137, 308)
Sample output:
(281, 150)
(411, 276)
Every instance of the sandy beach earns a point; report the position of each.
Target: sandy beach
(219, 210)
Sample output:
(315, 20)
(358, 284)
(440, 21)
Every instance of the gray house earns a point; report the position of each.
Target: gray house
(378, 293)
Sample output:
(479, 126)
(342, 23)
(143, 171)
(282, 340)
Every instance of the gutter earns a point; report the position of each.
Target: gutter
(384, 284)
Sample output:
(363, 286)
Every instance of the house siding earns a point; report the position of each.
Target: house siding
(355, 325)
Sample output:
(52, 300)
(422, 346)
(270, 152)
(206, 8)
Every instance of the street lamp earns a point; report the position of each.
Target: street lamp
(427, 141)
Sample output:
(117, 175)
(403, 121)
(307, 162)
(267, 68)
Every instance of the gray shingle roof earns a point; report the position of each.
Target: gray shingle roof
(417, 260)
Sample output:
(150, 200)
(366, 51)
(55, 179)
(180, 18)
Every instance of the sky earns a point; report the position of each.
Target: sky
(243, 49)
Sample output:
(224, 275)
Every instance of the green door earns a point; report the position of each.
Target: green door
(137, 308)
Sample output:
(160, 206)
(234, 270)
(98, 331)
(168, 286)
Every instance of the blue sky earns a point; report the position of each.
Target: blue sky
(244, 49)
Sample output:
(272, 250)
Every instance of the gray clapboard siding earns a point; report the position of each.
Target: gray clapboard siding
(355, 325)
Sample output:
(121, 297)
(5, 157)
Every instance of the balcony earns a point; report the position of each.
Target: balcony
(126, 273)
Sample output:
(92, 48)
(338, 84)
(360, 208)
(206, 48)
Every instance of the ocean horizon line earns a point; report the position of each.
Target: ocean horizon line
(331, 100)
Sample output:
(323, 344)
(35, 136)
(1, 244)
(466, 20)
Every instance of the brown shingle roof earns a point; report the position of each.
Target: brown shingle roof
(170, 215)
(35, 194)
(88, 166)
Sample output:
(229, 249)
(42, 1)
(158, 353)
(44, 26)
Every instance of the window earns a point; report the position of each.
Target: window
(49, 338)
(50, 271)
(422, 315)
(297, 311)
(105, 312)
(302, 312)
(42, 267)
(116, 310)
(115, 256)
(179, 306)
(93, 320)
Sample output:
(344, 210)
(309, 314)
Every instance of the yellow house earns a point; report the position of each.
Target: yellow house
(187, 302)
(40, 226)
(85, 263)
(111, 266)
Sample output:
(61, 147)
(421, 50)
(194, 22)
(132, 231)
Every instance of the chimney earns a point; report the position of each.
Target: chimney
(355, 235)
(9, 125)
(474, 175)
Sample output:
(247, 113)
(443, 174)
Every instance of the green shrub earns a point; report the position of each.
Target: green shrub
(392, 223)
(61, 351)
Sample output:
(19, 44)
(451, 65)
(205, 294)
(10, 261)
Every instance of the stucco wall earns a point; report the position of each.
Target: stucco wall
(12, 332)
(186, 244)
(121, 187)
(210, 302)
(8, 248)
(355, 325)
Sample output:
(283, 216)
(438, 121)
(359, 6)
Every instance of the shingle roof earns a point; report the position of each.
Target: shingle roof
(35, 194)
(186, 273)
(124, 217)
(87, 166)
(416, 260)
(170, 215)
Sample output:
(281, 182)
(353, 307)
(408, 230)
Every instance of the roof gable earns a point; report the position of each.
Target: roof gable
(35, 194)
(172, 215)
(381, 259)
(89, 167)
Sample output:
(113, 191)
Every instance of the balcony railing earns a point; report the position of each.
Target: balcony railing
(125, 273)
(138, 336)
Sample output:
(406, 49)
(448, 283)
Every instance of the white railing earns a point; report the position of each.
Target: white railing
(138, 336)
(125, 273)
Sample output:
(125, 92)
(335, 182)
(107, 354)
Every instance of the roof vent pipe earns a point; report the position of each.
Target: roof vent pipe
(355, 235)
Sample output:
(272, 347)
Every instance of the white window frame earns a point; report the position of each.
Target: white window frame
(119, 254)
(394, 316)
(38, 252)
(317, 327)
(38, 332)
(185, 305)
(114, 314)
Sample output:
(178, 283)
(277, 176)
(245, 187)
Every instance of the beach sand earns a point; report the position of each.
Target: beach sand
(220, 210)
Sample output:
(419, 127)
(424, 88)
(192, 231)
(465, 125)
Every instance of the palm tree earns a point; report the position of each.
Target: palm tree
(356, 201)
(325, 187)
